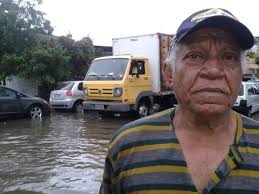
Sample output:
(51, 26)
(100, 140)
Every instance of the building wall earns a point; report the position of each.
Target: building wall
(22, 85)
(101, 51)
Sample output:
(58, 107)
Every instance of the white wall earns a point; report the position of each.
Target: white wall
(22, 85)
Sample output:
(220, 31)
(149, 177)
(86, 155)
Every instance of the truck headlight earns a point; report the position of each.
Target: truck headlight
(85, 91)
(117, 92)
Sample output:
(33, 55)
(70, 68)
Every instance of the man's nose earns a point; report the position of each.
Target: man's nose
(213, 68)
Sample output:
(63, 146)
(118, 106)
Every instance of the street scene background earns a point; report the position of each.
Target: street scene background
(60, 154)
(63, 153)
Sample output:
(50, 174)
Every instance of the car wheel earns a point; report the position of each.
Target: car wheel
(249, 114)
(35, 112)
(143, 109)
(78, 107)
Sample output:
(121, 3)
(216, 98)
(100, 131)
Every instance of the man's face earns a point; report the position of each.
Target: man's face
(207, 73)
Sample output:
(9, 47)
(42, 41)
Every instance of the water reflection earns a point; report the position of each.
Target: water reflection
(60, 154)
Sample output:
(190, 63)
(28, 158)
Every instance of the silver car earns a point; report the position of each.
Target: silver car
(247, 101)
(69, 95)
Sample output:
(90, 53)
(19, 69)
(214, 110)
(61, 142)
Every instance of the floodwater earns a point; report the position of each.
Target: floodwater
(63, 153)
(60, 154)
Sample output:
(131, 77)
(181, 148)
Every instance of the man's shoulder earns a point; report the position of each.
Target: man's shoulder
(135, 130)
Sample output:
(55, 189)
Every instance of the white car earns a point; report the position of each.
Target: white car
(247, 101)
(69, 95)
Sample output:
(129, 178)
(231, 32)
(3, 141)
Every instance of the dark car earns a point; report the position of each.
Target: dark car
(16, 104)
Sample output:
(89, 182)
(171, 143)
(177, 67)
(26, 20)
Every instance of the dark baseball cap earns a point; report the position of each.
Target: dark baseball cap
(216, 18)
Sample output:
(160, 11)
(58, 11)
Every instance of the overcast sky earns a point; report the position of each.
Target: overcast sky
(103, 20)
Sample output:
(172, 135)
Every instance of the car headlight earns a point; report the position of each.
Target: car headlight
(85, 91)
(117, 92)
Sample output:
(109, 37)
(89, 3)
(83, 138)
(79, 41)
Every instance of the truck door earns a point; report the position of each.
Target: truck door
(139, 79)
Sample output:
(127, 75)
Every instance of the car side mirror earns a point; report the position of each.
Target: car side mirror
(18, 95)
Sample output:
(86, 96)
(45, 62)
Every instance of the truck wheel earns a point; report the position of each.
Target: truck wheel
(143, 109)
(78, 107)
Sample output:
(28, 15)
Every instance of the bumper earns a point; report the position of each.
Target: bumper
(47, 110)
(241, 109)
(106, 106)
(61, 104)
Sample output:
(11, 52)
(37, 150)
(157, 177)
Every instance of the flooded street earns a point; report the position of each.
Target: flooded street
(63, 153)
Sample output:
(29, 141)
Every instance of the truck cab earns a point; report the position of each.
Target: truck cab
(119, 84)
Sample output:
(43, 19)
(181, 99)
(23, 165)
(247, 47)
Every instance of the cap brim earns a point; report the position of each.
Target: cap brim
(241, 33)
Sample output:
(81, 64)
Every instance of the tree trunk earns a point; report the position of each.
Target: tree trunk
(44, 92)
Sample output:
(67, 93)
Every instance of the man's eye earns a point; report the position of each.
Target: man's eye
(229, 57)
(194, 56)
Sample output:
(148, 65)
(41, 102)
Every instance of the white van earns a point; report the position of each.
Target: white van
(247, 101)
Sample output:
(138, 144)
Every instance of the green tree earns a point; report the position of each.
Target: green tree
(20, 24)
(257, 59)
(81, 57)
(46, 63)
(81, 52)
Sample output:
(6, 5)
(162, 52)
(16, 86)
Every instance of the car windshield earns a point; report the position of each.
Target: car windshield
(241, 91)
(65, 85)
(107, 69)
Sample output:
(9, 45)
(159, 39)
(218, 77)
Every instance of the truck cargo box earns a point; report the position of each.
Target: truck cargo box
(153, 46)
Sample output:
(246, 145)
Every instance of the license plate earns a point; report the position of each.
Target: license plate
(56, 96)
(99, 106)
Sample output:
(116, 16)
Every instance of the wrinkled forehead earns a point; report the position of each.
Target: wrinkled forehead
(213, 34)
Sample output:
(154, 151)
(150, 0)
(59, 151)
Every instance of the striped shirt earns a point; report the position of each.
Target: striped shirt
(145, 157)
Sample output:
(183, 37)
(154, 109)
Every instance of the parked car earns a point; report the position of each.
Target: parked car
(69, 95)
(17, 104)
(247, 101)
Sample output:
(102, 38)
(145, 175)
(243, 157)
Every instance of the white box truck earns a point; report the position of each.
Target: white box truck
(131, 79)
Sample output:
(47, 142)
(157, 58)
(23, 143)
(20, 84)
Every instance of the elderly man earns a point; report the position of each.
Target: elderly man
(201, 146)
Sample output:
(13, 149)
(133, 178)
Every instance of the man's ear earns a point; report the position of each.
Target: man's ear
(167, 76)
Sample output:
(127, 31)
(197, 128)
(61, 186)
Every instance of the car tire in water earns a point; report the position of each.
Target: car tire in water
(78, 107)
(35, 112)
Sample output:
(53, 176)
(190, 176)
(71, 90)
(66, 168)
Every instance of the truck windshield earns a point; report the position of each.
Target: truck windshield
(107, 69)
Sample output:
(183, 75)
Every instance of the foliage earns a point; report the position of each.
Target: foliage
(9, 62)
(251, 54)
(257, 60)
(46, 63)
(20, 22)
(81, 52)
(81, 57)
(28, 49)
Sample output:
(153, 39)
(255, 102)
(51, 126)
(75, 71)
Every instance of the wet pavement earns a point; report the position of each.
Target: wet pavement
(63, 153)
(60, 154)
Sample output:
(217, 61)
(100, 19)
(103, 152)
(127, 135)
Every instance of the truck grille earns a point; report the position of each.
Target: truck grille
(100, 92)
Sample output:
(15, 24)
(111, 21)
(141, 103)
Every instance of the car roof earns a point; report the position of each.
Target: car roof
(248, 82)
(13, 90)
(9, 88)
